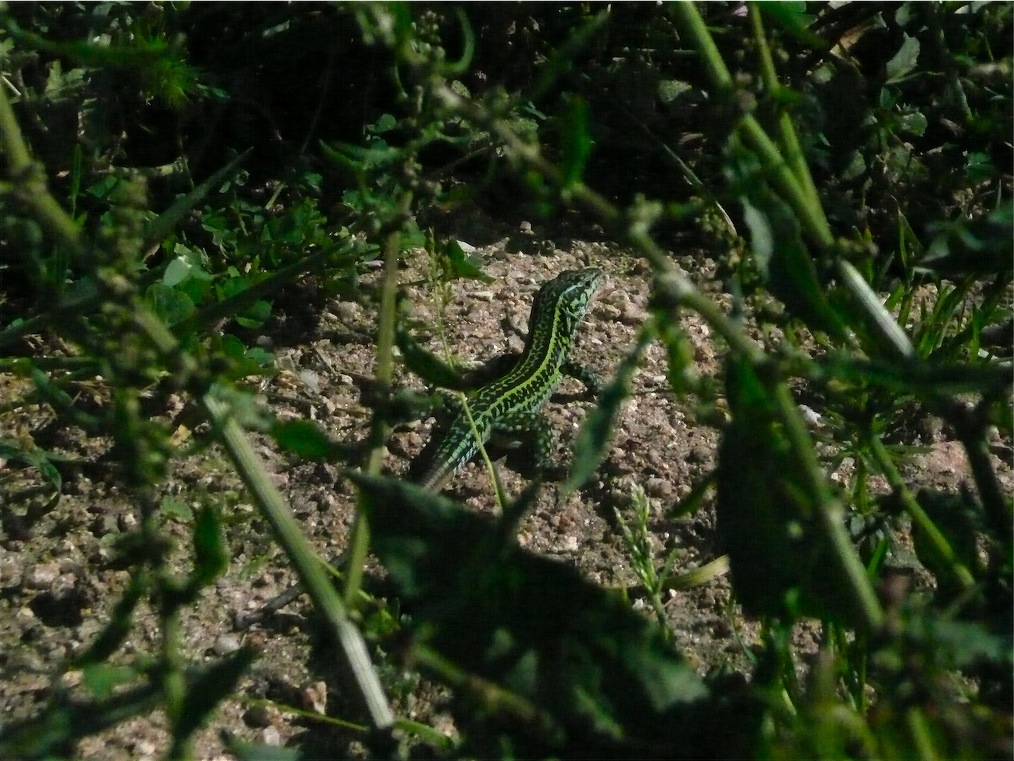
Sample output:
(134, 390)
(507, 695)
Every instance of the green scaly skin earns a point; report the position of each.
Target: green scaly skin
(510, 404)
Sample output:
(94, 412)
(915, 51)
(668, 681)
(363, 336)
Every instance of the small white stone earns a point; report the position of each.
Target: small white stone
(315, 696)
(811, 417)
(43, 576)
(346, 311)
(227, 643)
(310, 380)
(569, 544)
(271, 736)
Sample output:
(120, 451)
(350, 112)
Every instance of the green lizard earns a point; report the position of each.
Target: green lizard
(510, 404)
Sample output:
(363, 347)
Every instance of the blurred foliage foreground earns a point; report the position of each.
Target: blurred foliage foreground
(170, 169)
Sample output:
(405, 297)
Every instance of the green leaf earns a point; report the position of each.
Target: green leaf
(358, 159)
(793, 18)
(984, 245)
(258, 358)
(385, 123)
(103, 187)
(216, 223)
(671, 89)
(870, 310)
(855, 167)
(904, 61)
(171, 305)
(232, 347)
(979, 167)
(424, 363)
(313, 181)
(589, 448)
(210, 555)
(960, 643)
(766, 513)
(255, 315)
(785, 261)
(11, 449)
(196, 289)
(176, 272)
(457, 264)
(166, 222)
(194, 262)
(244, 407)
(176, 508)
(762, 239)
(535, 627)
(244, 361)
(305, 439)
(102, 678)
(576, 140)
(234, 285)
(914, 123)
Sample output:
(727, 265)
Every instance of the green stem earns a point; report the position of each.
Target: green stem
(28, 183)
(359, 543)
(501, 498)
(791, 187)
(696, 30)
(829, 513)
(311, 572)
(173, 678)
(969, 426)
(918, 515)
(790, 140)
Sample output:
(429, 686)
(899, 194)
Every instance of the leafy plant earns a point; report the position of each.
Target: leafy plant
(847, 166)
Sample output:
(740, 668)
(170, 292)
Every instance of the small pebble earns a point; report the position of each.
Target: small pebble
(633, 314)
(227, 643)
(310, 380)
(656, 487)
(43, 576)
(314, 697)
(811, 417)
(347, 312)
(569, 544)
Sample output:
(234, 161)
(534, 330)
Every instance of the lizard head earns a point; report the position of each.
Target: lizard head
(565, 298)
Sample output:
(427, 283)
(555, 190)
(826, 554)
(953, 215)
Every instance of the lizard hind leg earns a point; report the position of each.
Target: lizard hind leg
(527, 440)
